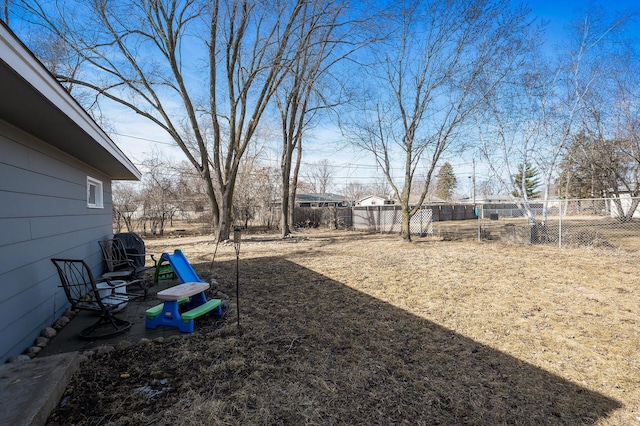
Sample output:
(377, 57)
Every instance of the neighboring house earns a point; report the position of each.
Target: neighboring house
(56, 168)
(322, 200)
(428, 200)
(374, 200)
(479, 199)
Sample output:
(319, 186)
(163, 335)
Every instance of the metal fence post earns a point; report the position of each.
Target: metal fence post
(476, 211)
(560, 225)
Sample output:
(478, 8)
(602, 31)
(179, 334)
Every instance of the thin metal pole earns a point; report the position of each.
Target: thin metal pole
(477, 211)
(473, 182)
(560, 224)
(238, 287)
(236, 242)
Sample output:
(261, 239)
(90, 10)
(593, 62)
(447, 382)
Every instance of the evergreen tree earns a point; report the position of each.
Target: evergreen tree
(446, 182)
(531, 182)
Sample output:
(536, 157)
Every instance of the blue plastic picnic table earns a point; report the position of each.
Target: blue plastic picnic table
(190, 293)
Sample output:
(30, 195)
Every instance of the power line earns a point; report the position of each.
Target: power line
(352, 168)
(144, 139)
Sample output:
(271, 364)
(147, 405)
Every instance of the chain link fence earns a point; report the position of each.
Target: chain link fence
(594, 223)
(608, 223)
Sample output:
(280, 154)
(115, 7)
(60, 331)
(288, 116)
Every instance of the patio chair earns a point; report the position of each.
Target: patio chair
(104, 296)
(120, 264)
(135, 248)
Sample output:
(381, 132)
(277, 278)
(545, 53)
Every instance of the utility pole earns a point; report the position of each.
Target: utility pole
(473, 182)
(475, 208)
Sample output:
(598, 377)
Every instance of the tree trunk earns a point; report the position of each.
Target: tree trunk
(128, 224)
(632, 209)
(405, 231)
(292, 205)
(284, 209)
(627, 216)
(294, 185)
(284, 195)
(226, 207)
(224, 220)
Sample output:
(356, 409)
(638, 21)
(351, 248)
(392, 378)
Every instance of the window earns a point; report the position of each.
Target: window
(94, 193)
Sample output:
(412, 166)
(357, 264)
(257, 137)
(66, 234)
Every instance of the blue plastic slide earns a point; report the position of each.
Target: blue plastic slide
(181, 267)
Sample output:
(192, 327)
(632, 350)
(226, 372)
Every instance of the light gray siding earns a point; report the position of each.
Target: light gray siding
(43, 214)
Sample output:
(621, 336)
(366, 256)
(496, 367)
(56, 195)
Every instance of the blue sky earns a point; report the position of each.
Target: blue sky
(559, 13)
(138, 137)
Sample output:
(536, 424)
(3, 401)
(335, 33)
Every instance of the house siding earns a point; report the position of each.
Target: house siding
(43, 214)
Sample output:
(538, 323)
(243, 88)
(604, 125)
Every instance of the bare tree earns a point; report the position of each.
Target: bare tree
(158, 194)
(257, 188)
(5, 11)
(612, 125)
(320, 176)
(126, 199)
(429, 86)
(190, 191)
(533, 121)
(203, 71)
(484, 188)
(627, 133)
(522, 123)
(583, 170)
(354, 191)
(381, 187)
(306, 90)
(597, 57)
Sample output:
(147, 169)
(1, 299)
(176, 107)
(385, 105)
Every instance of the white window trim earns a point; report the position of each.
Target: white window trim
(98, 202)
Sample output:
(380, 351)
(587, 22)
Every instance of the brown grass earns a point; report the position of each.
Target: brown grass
(346, 328)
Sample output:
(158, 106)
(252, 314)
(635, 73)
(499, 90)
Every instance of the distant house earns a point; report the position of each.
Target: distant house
(485, 199)
(374, 200)
(322, 200)
(623, 202)
(56, 168)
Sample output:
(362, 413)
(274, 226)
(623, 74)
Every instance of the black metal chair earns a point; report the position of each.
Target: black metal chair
(121, 265)
(105, 296)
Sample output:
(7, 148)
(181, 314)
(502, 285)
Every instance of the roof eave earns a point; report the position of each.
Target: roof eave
(41, 106)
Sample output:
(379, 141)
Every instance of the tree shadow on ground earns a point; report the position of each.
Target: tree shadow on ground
(320, 352)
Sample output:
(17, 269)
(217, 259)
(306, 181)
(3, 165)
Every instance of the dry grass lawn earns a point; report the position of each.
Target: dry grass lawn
(347, 328)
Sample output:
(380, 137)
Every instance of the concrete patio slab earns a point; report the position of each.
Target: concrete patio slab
(30, 390)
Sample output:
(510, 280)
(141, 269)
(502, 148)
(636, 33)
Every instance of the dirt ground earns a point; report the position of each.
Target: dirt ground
(342, 328)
